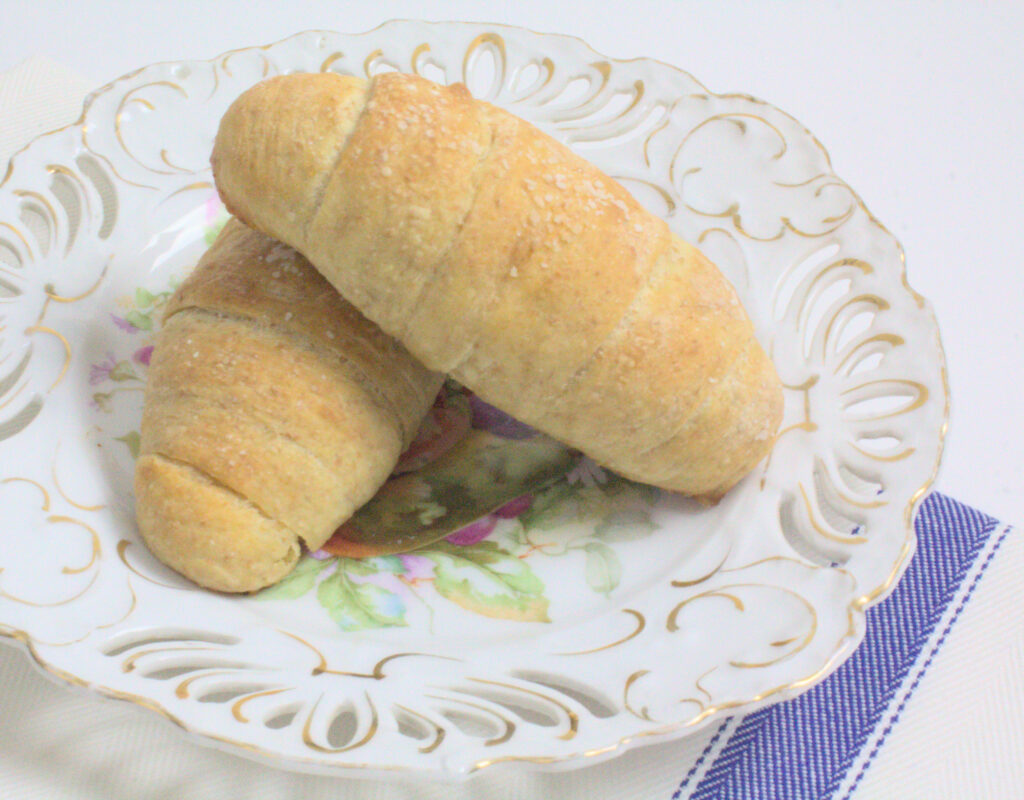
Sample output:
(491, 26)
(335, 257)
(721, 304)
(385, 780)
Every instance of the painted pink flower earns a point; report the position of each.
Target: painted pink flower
(213, 207)
(144, 354)
(416, 566)
(513, 508)
(98, 373)
(474, 532)
(123, 324)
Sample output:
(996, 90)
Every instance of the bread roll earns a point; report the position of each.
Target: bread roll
(273, 410)
(497, 255)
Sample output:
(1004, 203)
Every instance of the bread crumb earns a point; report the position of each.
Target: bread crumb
(513, 272)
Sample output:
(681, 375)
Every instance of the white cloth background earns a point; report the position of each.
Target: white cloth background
(960, 736)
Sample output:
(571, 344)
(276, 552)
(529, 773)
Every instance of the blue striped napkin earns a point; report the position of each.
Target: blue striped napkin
(821, 744)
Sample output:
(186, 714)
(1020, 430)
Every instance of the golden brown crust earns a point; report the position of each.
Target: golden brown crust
(309, 144)
(206, 533)
(586, 250)
(248, 276)
(519, 268)
(385, 232)
(267, 386)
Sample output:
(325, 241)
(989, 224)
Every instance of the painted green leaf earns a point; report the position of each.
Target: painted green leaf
(131, 440)
(626, 525)
(299, 581)
(213, 231)
(143, 298)
(551, 508)
(603, 570)
(429, 511)
(476, 476)
(374, 565)
(359, 606)
(514, 532)
(487, 580)
(123, 371)
(617, 485)
(490, 555)
(139, 320)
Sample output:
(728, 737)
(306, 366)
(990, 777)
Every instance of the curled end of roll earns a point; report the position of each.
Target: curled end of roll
(277, 144)
(206, 532)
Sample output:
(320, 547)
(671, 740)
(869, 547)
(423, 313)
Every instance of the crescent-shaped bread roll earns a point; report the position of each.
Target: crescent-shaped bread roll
(272, 411)
(497, 255)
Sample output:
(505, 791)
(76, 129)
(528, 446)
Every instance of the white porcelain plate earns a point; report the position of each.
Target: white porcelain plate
(595, 615)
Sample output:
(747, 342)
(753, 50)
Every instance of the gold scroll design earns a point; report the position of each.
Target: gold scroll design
(551, 85)
(32, 403)
(222, 63)
(639, 623)
(791, 645)
(487, 700)
(638, 113)
(488, 42)
(84, 529)
(583, 121)
(90, 565)
(679, 174)
(376, 673)
(122, 553)
(134, 98)
(848, 389)
(145, 97)
(207, 671)
(206, 667)
(31, 645)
